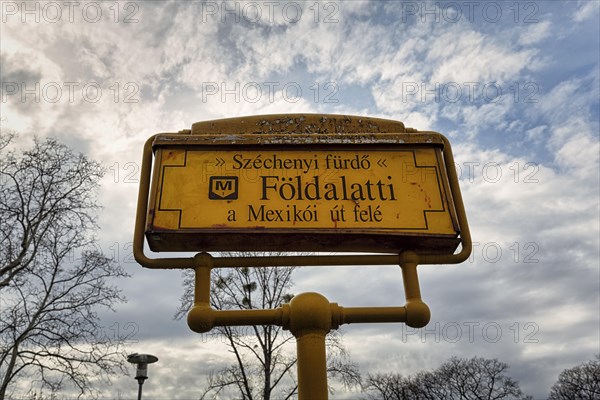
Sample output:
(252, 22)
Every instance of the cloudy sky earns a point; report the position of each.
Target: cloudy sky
(514, 85)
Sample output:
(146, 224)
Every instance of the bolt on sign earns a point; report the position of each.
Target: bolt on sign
(301, 183)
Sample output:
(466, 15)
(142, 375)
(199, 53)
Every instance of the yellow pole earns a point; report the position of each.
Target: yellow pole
(310, 321)
(312, 366)
(417, 312)
(201, 318)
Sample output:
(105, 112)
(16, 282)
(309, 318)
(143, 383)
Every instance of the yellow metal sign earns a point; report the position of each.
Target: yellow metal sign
(357, 198)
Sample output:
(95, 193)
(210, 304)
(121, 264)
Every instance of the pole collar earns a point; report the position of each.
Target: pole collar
(309, 312)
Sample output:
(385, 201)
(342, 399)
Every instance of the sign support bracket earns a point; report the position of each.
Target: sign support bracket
(309, 317)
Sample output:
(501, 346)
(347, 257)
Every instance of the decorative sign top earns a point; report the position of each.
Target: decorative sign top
(298, 124)
(230, 191)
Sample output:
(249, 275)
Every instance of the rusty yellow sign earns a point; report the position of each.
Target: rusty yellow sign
(375, 197)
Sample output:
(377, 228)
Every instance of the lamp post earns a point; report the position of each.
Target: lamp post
(141, 373)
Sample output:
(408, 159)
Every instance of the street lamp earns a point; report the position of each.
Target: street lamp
(141, 372)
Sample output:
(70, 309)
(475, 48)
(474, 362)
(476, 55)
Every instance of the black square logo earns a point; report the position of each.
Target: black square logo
(223, 188)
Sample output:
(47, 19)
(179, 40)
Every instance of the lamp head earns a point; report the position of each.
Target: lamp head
(141, 361)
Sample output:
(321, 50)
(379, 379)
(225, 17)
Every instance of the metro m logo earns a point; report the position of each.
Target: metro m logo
(223, 188)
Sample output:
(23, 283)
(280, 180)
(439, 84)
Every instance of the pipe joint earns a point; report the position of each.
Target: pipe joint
(203, 260)
(201, 318)
(417, 314)
(309, 312)
(409, 258)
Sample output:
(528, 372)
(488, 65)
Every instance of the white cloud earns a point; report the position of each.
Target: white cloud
(581, 151)
(587, 10)
(573, 131)
(473, 57)
(536, 134)
(487, 116)
(535, 33)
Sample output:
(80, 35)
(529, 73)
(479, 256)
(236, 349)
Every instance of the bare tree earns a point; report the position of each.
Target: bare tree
(580, 382)
(479, 378)
(52, 280)
(466, 379)
(425, 385)
(265, 364)
(391, 386)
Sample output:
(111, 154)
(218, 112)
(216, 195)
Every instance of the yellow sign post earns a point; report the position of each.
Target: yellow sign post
(294, 183)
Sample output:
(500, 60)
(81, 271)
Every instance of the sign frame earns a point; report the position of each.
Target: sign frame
(277, 131)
